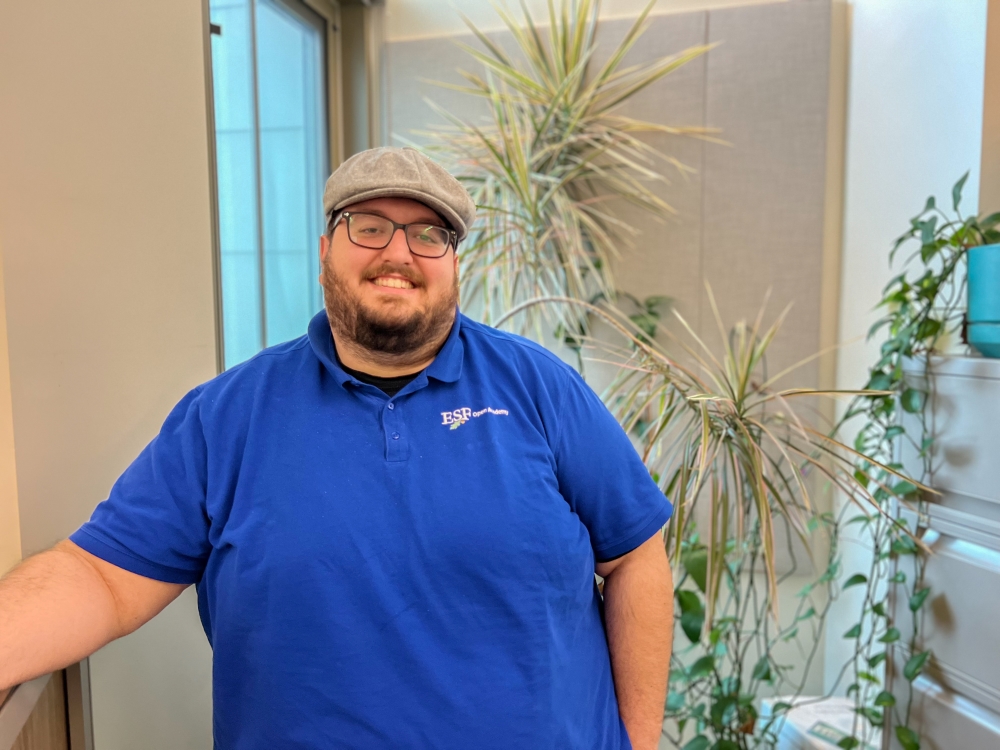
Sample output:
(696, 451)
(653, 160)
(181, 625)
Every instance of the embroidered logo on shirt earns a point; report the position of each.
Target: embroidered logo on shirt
(458, 417)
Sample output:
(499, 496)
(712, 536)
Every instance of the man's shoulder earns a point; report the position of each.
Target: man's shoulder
(268, 368)
(515, 350)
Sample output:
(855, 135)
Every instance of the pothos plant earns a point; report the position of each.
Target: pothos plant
(923, 305)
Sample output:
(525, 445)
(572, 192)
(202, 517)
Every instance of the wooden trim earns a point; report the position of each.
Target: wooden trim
(213, 183)
(18, 707)
(989, 171)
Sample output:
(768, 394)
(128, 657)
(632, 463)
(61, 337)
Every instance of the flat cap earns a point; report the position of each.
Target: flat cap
(388, 172)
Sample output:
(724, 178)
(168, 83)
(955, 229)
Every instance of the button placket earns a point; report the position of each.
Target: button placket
(396, 444)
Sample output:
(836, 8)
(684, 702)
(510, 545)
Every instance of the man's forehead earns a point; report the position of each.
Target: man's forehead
(389, 207)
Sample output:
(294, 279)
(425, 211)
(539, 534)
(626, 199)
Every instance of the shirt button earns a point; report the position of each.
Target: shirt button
(391, 406)
(395, 436)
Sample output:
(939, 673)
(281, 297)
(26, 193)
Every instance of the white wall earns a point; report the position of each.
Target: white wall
(915, 97)
(411, 19)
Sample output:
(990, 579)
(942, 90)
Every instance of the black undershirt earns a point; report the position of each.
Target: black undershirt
(389, 386)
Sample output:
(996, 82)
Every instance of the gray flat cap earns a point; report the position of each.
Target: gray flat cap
(400, 173)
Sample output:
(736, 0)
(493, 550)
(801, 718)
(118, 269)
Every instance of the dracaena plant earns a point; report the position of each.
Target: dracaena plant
(743, 459)
(550, 162)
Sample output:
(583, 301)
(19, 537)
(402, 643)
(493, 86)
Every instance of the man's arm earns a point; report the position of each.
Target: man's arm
(64, 604)
(639, 611)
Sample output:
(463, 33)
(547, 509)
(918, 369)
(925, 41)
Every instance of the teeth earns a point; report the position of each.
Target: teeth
(394, 283)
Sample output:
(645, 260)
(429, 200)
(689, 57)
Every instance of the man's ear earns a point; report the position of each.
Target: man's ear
(324, 247)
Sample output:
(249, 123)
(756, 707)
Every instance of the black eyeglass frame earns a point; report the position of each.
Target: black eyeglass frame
(452, 234)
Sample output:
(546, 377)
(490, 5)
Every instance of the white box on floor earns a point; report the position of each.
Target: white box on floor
(817, 723)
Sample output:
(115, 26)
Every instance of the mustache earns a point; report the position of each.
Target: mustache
(389, 269)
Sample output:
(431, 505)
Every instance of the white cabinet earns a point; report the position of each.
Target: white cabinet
(957, 699)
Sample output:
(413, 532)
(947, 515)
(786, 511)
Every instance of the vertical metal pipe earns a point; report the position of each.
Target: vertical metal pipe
(258, 174)
(78, 706)
(213, 179)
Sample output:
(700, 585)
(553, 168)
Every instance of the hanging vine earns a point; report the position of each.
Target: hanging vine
(923, 308)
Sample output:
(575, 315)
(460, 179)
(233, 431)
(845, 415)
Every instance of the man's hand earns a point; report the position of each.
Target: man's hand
(63, 604)
(639, 611)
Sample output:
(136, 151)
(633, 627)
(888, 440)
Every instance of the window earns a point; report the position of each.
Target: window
(269, 65)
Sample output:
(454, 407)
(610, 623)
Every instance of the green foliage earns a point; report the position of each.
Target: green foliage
(918, 599)
(885, 698)
(694, 558)
(721, 437)
(915, 665)
(909, 739)
(548, 171)
(701, 742)
(731, 450)
(692, 614)
(891, 635)
(552, 167)
(922, 308)
(647, 319)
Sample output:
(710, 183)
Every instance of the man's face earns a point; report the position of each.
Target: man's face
(388, 301)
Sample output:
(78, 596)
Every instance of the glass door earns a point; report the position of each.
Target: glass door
(269, 63)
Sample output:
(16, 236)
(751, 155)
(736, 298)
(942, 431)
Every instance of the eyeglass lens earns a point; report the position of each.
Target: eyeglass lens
(369, 230)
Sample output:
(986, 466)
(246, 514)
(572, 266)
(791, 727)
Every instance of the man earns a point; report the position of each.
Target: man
(393, 522)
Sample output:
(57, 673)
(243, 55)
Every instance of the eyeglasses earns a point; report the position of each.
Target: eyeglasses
(376, 232)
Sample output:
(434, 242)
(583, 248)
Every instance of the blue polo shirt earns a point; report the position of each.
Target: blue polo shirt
(406, 572)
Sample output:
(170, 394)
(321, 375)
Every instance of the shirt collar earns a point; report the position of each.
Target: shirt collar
(446, 367)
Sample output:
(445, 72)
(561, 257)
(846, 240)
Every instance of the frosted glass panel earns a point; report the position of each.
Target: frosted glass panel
(271, 144)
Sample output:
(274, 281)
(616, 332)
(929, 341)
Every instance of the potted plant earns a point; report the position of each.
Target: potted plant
(983, 317)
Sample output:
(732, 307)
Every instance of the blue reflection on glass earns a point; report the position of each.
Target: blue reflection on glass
(272, 157)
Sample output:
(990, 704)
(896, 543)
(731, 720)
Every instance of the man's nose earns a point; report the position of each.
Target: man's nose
(397, 250)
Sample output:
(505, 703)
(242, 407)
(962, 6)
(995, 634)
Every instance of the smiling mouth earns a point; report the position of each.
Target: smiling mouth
(392, 282)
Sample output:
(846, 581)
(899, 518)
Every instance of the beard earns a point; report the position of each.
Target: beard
(386, 332)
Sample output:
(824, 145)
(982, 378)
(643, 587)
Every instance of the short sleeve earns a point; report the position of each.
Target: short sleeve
(602, 476)
(154, 522)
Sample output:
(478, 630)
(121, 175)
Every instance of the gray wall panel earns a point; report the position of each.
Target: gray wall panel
(665, 258)
(767, 90)
(751, 215)
(411, 67)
